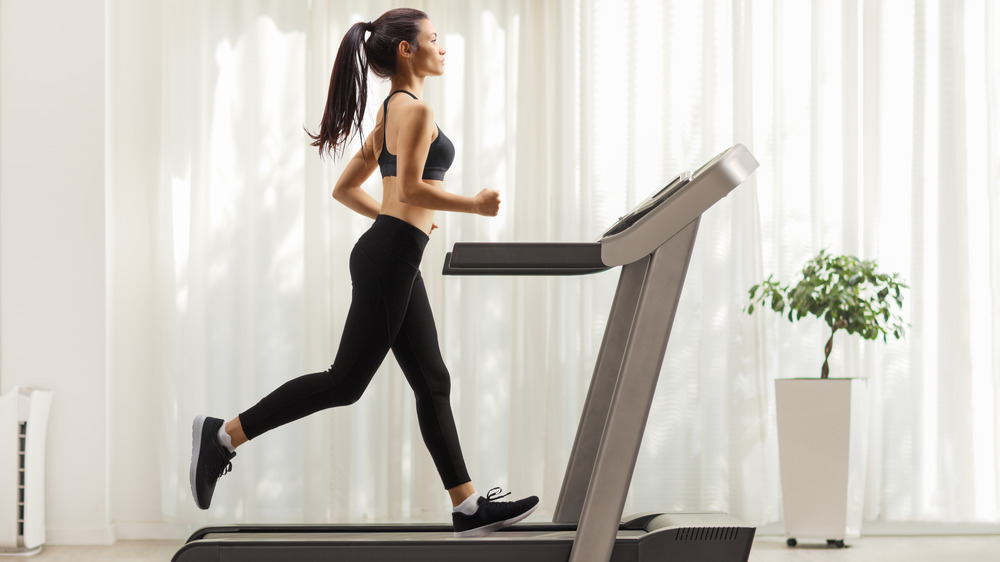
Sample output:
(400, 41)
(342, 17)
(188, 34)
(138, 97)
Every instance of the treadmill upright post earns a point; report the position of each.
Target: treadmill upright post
(602, 387)
(633, 397)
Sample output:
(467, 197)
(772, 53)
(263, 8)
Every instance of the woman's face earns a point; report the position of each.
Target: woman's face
(428, 58)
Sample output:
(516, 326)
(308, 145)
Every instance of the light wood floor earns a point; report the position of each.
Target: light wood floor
(765, 549)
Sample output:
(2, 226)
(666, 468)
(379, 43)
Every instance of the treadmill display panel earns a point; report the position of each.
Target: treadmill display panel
(710, 162)
(641, 210)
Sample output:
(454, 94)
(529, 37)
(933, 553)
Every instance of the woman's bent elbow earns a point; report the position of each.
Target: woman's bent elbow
(405, 194)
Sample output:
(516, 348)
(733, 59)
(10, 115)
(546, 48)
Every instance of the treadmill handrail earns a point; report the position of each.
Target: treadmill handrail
(524, 258)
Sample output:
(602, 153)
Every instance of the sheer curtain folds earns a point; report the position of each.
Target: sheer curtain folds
(877, 125)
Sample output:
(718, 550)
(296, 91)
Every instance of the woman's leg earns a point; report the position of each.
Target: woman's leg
(378, 304)
(383, 267)
(417, 350)
(419, 355)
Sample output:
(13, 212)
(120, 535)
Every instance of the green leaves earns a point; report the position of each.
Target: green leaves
(843, 291)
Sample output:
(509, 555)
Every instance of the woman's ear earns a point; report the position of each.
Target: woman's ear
(404, 49)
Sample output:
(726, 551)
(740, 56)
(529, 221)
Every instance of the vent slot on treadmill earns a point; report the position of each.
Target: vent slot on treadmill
(707, 533)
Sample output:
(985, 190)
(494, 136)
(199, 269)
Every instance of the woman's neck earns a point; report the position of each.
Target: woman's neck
(410, 83)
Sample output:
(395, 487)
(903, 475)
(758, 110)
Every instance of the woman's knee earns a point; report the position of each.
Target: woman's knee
(344, 391)
(436, 389)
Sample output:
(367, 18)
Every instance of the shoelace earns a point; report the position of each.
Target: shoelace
(226, 469)
(494, 494)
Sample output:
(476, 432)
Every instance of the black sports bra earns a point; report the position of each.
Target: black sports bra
(440, 155)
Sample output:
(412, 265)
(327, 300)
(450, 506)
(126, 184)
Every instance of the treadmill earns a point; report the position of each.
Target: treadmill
(653, 244)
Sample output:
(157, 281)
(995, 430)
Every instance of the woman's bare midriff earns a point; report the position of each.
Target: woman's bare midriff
(419, 217)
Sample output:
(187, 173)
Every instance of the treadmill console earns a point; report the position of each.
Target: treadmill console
(672, 187)
(642, 209)
(672, 208)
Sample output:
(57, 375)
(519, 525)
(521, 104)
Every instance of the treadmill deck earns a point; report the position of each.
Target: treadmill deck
(705, 537)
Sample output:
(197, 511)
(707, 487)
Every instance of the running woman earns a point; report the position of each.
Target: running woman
(389, 306)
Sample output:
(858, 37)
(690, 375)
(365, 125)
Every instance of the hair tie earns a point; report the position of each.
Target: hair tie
(370, 27)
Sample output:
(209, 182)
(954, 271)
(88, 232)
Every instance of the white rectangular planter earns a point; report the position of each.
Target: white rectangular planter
(823, 451)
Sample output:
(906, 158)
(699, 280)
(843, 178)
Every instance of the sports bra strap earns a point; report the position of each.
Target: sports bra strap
(385, 112)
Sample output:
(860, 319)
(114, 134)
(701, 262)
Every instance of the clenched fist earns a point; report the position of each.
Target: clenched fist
(486, 203)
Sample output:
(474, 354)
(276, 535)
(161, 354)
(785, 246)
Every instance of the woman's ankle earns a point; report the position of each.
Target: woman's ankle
(235, 430)
(461, 493)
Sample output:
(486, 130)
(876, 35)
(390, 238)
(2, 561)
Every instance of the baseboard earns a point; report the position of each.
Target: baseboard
(901, 529)
(152, 531)
(81, 536)
(119, 531)
(924, 528)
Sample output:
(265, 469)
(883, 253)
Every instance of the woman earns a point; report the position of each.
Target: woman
(389, 307)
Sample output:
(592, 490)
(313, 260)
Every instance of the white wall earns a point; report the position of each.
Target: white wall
(79, 122)
(52, 245)
(133, 138)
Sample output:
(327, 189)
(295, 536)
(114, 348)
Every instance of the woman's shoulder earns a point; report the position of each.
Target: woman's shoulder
(416, 113)
(414, 106)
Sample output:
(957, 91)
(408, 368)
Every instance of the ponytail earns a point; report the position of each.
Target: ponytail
(348, 95)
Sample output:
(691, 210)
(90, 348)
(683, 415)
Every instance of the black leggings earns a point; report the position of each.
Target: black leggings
(389, 310)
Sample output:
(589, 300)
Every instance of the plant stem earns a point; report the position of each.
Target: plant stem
(826, 359)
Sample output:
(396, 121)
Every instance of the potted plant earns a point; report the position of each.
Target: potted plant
(822, 422)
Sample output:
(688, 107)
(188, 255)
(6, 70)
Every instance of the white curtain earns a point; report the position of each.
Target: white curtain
(877, 125)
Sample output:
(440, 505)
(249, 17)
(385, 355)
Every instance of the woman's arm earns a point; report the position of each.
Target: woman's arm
(348, 189)
(416, 127)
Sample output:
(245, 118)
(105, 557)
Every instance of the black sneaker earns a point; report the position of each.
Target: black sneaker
(492, 515)
(209, 459)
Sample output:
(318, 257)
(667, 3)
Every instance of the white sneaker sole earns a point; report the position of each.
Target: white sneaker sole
(196, 429)
(487, 529)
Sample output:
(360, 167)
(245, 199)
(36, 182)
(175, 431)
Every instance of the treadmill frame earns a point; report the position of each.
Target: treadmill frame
(602, 461)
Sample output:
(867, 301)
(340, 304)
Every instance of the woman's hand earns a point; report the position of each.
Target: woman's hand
(433, 226)
(486, 203)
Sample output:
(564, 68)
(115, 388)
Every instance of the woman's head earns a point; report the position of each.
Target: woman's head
(393, 39)
(402, 25)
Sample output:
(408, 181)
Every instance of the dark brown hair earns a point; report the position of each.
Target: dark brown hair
(348, 95)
